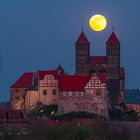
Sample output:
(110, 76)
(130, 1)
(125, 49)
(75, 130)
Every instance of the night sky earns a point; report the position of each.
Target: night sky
(40, 34)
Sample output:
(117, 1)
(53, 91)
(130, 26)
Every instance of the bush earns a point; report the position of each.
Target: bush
(122, 113)
(80, 114)
(43, 110)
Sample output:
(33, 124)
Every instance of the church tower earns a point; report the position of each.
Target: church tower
(82, 54)
(113, 68)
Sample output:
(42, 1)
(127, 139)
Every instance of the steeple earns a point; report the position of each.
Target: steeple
(113, 69)
(113, 40)
(61, 70)
(82, 54)
(82, 39)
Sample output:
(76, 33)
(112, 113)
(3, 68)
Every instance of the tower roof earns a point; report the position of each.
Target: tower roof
(61, 69)
(82, 39)
(113, 40)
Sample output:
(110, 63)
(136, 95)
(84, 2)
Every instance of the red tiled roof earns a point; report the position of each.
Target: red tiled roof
(113, 40)
(98, 59)
(43, 73)
(101, 77)
(122, 72)
(25, 81)
(82, 39)
(73, 83)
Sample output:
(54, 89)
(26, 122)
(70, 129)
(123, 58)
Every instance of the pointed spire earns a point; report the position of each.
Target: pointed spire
(61, 69)
(113, 40)
(82, 39)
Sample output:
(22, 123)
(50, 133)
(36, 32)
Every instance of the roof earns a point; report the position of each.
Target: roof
(43, 73)
(102, 77)
(98, 59)
(60, 69)
(122, 72)
(113, 40)
(132, 96)
(25, 81)
(73, 82)
(82, 39)
(77, 82)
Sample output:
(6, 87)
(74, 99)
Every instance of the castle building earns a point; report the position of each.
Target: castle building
(83, 93)
(108, 64)
(98, 83)
(34, 87)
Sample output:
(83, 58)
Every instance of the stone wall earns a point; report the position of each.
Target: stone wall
(17, 98)
(91, 103)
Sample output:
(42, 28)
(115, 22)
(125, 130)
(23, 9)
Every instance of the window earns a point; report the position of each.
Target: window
(17, 98)
(44, 92)
(70, 93)
(82, 93)
(64, 93)
(87, 91)
(77, 93)
(82, 52)
(54, 91)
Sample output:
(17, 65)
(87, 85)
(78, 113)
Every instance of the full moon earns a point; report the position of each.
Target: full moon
(97, 23)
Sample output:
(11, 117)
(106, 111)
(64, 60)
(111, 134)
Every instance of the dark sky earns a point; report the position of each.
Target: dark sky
(40, 34)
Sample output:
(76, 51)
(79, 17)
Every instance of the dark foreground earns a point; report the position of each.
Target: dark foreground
(96, 131)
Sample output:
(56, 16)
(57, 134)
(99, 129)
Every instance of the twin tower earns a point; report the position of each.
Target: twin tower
(108, 64)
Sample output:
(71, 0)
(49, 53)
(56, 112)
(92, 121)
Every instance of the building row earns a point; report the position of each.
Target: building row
(98, 82)
(69, 92)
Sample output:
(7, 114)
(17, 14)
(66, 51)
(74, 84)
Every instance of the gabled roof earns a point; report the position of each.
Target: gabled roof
(82, 39)
(122, 72)
(113, 40)
(73, 82)
(25, 81)
(98, 59)
(42, 74)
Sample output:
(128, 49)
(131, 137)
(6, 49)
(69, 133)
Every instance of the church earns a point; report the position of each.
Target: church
(98, 83)
(108, 64)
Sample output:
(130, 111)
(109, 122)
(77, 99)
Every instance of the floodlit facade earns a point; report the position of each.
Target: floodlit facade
(98, 83)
